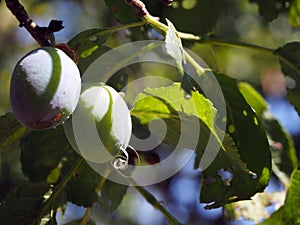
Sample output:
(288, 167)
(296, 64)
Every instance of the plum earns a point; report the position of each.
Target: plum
(45, 88)
(100, 128)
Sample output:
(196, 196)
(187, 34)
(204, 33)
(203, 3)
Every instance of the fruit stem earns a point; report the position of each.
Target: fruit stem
(261, 49)
(163, 28)
(121, 27)
(154, 202)
(140, 9)
(86, 216)
(200, 70)
(16, 133)
(43, 35)
(157, 205)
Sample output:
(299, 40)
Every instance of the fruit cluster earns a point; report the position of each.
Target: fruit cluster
(46, 90)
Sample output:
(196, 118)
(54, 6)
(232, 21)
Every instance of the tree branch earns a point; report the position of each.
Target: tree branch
(155, 203)
(138, 6)
(43, 35)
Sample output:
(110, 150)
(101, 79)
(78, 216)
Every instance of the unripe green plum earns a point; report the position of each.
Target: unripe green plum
(45, 88)
(101, 125)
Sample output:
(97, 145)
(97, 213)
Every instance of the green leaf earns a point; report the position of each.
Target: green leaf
(181, 115)
(197, 105)
(54, 175)
(289, 58)
(196, 16)
(10, 130)
(169, 104)
(218, 188)
(294, 13)
(89, 45)
(81, 188)
(244, 127)
(174, 47)
(254, 99)
(249, 137)
(23, 203)
(42, 152)
(59, 203)
(122, 11)
(112, 195)
(47, 156)
(284, 156)
(289, 213)
(152, 108)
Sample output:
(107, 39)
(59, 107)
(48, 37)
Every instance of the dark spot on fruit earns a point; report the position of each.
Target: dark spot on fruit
(58, 117)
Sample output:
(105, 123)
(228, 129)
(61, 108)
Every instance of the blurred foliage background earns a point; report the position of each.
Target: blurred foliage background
(237, 20)
(233, 19)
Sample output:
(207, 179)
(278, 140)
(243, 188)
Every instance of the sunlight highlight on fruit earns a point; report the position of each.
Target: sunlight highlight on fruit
(100, 128)
(45, 88)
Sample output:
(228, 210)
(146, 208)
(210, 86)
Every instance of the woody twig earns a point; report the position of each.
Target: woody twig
(43, 35)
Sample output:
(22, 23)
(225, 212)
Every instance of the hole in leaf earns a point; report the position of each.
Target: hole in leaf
(254, 175)
(187, 96)
(277, 145)
(226, 176)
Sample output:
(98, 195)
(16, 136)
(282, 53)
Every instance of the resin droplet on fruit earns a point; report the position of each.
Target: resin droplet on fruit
(45, 88)
(101, 125)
